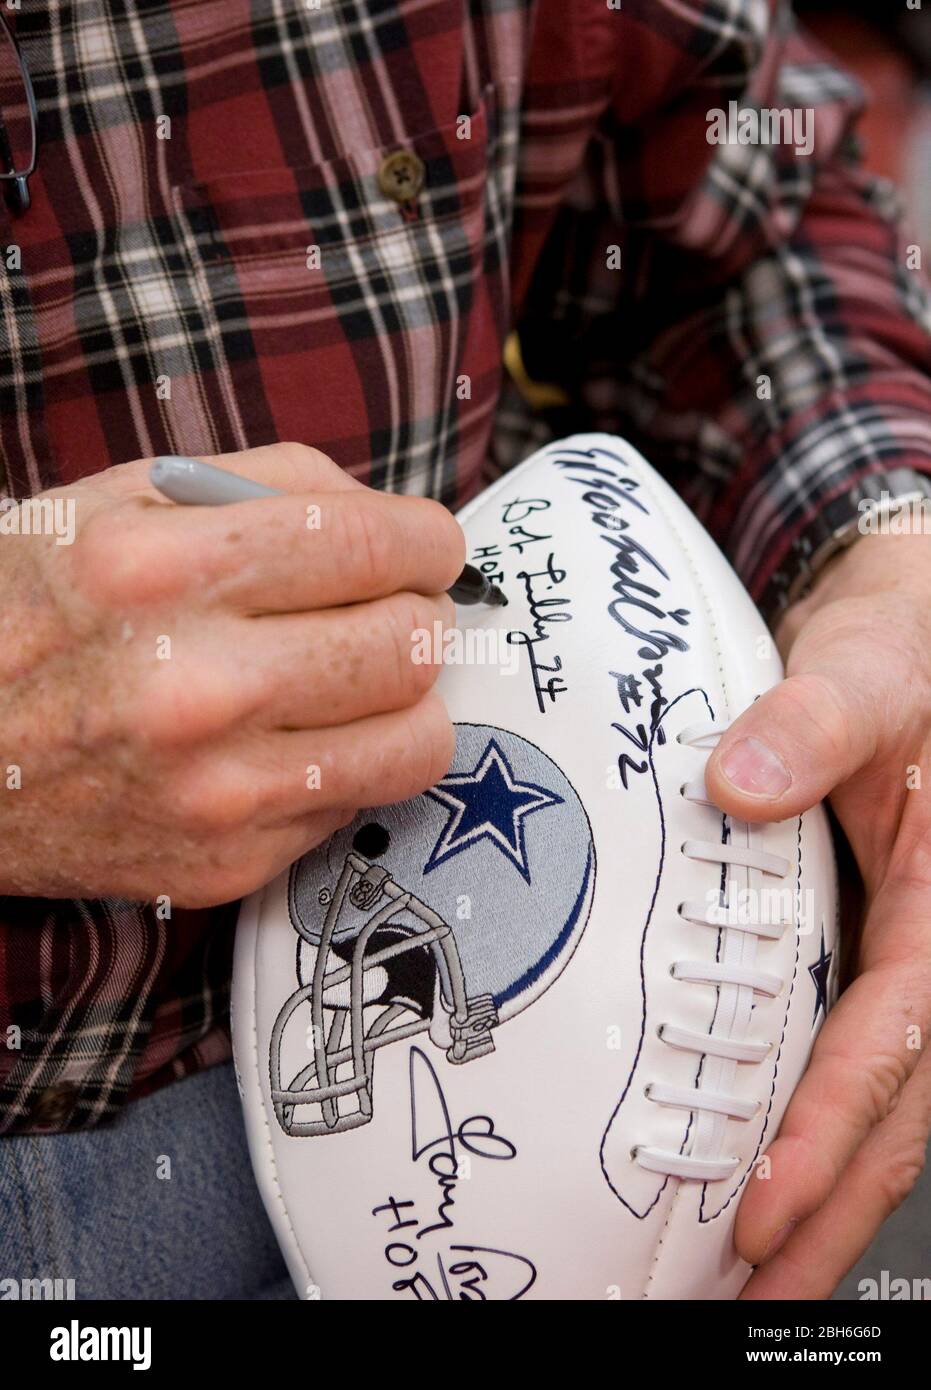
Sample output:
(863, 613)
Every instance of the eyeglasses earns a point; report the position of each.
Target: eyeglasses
(18, 122)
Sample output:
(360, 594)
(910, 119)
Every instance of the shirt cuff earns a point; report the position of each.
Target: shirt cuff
(892, 500)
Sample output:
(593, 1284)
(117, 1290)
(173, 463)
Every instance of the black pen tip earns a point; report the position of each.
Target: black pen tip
(474, 587)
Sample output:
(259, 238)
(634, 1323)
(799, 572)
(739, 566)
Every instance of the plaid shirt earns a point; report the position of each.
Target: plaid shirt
(217, 257)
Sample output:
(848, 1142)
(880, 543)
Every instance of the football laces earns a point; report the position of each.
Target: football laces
(718, 916)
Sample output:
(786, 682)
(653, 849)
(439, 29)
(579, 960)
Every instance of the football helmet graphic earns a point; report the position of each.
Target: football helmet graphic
(443, 915)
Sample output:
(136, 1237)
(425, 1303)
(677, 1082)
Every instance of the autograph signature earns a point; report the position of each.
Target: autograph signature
(445, 1150)
(543, 611)
(638, 575)
(639, 604)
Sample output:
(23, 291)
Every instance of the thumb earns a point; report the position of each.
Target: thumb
(793, 746)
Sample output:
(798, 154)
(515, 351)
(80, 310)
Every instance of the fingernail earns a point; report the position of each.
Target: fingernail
(752, 767)
(778, 1240)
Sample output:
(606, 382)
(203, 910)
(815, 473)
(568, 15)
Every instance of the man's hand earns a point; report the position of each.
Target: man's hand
(851, 720)
(171, 680)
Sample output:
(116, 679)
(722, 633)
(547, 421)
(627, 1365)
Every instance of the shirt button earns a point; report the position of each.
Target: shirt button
(54, 1106)
(400, 175)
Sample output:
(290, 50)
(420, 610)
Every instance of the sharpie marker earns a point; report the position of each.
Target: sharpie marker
(196, 484)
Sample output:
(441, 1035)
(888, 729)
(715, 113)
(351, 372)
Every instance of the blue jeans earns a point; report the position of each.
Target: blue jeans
(159, 1204)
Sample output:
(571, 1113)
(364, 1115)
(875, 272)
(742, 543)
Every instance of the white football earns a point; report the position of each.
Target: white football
(528, 1035)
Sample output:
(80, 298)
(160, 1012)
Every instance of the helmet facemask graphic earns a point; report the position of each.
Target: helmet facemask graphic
(378, 962)
(343, 992)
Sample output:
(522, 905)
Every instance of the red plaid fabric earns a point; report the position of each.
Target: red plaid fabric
(212, 262)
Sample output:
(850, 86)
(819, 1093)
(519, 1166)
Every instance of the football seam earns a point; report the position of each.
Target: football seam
(782, 1038)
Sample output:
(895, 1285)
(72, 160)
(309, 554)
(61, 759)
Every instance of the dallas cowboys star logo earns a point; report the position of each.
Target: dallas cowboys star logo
(819, 973)
(488, 803)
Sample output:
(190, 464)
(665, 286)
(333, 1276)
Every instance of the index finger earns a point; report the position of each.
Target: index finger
(296, 553)
(363, 545)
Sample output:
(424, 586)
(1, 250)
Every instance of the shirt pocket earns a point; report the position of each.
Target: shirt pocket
(339, 316)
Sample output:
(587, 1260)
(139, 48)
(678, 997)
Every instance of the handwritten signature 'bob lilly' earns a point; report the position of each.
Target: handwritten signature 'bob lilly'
(606, 495)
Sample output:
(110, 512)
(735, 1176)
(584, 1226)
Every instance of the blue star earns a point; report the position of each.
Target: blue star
(819, 973)
(487, 803)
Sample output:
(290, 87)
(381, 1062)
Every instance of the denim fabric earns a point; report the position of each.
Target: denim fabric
(161, 1204)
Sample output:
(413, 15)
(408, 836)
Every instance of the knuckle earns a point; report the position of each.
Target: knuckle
(421, 675)
(281, 785)
(864, 1089)
(412, 751)
(215, 802)
(406, 615)
(883, 1080)
(176, 706)
(431, 740)
(114, 562)
(369, 535)
(439, 525)
(898, 1177)
(410, 613)
(424, 657)
(815, 700)
(309, 464)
